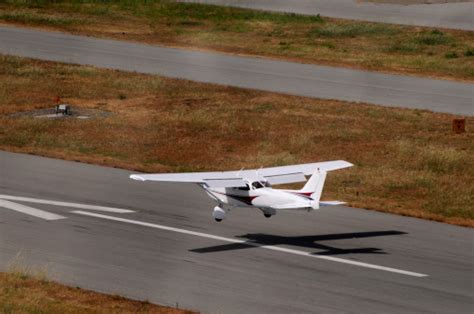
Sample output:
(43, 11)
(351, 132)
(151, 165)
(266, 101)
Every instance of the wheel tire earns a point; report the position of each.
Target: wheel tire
(218, 220)
(267, 215)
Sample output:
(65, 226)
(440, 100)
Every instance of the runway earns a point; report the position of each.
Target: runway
(93, 227)
(246, 72)
(447, 15)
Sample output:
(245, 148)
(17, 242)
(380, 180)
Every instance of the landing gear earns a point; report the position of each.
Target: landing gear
(218, 213)
(268, 212)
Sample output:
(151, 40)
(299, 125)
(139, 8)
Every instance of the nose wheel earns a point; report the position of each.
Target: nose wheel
(218, 213)
(268, 212)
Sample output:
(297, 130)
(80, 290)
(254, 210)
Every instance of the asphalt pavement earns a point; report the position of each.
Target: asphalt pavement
(93, 227)
(247, 72)
(459, 15)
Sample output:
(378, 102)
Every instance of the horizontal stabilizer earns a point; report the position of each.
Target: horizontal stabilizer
(331, 203)
(137, 177)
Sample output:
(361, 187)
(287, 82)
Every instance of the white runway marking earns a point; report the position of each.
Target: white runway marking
(66, 204)
(267, 247)
(30, 210)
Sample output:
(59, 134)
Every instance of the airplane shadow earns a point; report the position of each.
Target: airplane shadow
(257, 239)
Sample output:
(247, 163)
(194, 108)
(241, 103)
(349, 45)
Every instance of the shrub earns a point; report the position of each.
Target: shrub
(432, 38)
(451, 55)
(351, 30)
(469, 52)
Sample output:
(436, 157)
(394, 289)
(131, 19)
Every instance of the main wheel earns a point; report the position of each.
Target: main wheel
(267, 215)
(218, 220)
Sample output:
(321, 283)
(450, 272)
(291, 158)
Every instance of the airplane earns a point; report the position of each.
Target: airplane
(253, 187)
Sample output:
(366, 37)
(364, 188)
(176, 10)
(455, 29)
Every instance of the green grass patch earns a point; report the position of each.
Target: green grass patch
(451, 55)
(469, 52)
(352, 30)
(433, 38)
(217, 14)
(34, 19)
(404, 47)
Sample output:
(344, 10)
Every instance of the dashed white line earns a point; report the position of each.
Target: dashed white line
(30, 210)
(66, 204)
(267, 247)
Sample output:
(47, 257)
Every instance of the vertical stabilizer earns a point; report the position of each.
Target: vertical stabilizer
(315, 185)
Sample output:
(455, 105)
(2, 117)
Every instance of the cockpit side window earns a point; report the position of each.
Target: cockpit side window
(244, 188)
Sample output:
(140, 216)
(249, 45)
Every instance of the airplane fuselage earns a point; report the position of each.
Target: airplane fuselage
(267, 199)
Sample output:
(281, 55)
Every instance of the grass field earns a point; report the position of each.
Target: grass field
(406, 161)
(311, 39)
(24, 293)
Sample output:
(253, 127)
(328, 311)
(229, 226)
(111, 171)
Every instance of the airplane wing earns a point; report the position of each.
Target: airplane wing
(212, 179)
(274, 175)
(306, 169)
(293, 173)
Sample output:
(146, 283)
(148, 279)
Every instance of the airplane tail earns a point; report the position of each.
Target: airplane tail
(314, 188)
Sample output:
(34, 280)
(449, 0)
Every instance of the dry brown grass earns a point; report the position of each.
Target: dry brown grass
(23, 293)
(373, 46)
(407, 161)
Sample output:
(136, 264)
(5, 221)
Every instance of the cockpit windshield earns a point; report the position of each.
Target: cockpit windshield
(259, 185)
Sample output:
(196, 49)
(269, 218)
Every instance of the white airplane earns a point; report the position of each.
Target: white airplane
(253, 188)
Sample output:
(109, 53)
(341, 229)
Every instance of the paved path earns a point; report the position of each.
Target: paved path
(458, 15)
(169, 249)
(256, 73)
